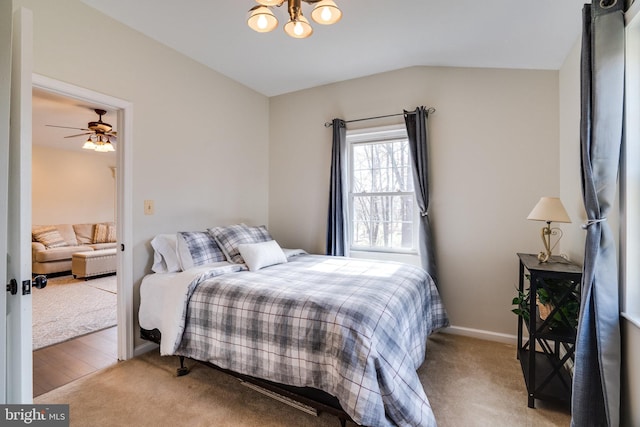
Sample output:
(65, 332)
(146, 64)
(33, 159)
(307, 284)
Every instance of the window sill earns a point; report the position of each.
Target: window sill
(406, 257)
(633, 318)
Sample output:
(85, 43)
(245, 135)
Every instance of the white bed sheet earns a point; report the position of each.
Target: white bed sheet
(161, 296)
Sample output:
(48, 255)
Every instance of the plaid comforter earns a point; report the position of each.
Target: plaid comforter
(352, 328)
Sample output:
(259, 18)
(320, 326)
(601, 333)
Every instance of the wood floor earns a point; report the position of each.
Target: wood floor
(59, 364)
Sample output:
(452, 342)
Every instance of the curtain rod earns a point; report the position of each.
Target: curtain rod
(430, 110)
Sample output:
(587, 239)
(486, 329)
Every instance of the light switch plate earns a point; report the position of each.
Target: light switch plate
(148, 207)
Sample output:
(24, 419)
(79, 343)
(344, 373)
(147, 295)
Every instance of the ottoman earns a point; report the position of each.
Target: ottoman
(93, 263)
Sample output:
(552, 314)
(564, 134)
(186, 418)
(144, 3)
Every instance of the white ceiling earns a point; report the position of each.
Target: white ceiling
(373, 36)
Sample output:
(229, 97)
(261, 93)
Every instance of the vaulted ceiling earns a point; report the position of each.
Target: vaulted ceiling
(373, 36)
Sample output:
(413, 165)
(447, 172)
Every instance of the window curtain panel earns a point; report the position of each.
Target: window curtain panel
(416, 122)
(336, 227)
(596, 378)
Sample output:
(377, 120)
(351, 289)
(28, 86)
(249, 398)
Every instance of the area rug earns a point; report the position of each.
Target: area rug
(67, 308)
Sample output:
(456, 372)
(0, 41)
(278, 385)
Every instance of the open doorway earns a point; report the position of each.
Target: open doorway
(74, 193)
(104, 197)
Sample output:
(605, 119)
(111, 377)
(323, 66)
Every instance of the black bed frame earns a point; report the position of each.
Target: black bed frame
(317, 399)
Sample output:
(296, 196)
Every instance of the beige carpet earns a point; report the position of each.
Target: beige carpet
(469, 382)
(69, 307)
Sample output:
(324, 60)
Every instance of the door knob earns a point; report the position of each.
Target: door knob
(40, 281)
(12, 286)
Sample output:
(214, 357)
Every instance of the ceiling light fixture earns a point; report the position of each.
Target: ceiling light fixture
(100, 134)
(99, 143)
(262, 19)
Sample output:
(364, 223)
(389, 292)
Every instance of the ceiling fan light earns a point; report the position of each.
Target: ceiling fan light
(108, 147)
(299, 28)
(261, 19)
(89, 145)
(326, 12)
(101, 148)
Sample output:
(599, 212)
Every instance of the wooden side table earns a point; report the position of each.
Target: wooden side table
(547, 356)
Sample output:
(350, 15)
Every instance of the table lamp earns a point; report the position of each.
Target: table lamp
(549, 209)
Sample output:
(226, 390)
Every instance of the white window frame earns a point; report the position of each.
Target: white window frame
(373, 135)
(630, 179)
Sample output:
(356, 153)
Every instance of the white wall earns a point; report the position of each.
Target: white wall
(494, 153)
(570, 174)
(70, 187)
(200, 139)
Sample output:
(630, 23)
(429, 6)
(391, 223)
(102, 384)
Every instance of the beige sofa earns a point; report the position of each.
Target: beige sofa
(77, 238)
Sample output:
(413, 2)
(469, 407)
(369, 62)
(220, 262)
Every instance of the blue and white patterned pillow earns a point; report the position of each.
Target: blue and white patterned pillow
(197, 248)
(230, 236)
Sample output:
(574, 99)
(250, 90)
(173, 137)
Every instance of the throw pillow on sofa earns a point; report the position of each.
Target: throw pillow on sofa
(104, 233)
(49, 236)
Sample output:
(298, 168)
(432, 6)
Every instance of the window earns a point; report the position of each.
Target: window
(383, 214)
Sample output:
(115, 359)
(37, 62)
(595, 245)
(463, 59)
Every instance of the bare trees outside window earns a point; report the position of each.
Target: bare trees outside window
(382, 201)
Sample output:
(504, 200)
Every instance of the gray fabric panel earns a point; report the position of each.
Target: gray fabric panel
(418, 135)
(596, 380)
(336, 228)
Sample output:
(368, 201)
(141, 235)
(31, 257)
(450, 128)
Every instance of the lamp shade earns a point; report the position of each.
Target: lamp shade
(549, 209)
(326, 12)
(270, 2)
(89, 145)
(299, 28)
(261, 19)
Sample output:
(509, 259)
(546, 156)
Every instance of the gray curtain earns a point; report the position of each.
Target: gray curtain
(596, 380)
(418, 134)
(336, 228)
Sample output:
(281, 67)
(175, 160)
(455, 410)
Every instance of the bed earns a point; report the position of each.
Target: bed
(352, 329)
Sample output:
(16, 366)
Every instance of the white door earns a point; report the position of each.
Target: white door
(5, 103)
(16, 230)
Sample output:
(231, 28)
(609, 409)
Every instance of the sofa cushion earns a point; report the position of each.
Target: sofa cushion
(62, 253)
(65, 230)
(49, 236)
(104, 233)
(84, 233)
(100, 246)
(68, 234)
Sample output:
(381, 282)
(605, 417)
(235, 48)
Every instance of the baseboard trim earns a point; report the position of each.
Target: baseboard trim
(144, 348)
(481, 334)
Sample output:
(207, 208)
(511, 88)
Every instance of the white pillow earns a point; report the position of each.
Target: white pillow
(263, 254)
(165, 255)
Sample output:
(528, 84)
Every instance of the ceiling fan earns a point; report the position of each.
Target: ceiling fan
(101, 134)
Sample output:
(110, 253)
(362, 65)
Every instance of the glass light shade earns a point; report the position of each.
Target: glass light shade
(261, 19)
(270, 2)
(326, 12)
(89, 145)
(108, 147)
(549, 209)
(299, 29)
(101, 148)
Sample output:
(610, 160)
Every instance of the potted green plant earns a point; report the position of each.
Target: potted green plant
(566, 293)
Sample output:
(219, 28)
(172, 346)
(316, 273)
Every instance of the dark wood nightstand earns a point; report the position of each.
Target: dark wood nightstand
(547, 355)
